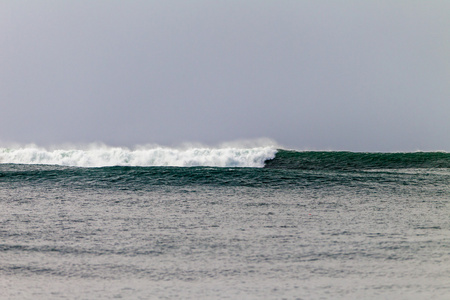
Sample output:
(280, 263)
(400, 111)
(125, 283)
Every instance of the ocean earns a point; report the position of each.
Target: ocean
(223, 223)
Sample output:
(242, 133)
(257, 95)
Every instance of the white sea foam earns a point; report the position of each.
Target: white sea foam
(100, 155)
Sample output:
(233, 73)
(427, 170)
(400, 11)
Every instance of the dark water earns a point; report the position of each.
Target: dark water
(310, 225)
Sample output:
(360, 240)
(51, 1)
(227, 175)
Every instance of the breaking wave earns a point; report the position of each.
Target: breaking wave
(104, 156)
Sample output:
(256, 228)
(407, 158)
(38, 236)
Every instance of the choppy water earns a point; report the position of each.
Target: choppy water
(314, 225)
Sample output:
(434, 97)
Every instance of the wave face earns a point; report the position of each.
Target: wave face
(341, 160)
(113, 156)
(256, 157)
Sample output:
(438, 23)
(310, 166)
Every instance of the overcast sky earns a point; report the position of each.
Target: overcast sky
(322, 75)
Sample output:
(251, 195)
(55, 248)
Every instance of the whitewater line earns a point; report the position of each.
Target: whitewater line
(114, 156)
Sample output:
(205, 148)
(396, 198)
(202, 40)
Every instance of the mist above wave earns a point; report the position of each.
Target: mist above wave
(230, 155)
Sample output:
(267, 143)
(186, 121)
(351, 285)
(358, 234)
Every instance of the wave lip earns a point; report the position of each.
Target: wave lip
(158, 156)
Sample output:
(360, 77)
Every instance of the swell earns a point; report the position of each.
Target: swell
(342, 160)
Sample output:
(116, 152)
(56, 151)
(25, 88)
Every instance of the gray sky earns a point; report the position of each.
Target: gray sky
(331, 75)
